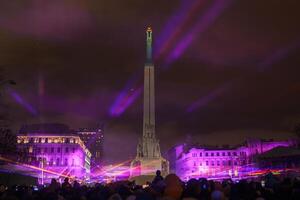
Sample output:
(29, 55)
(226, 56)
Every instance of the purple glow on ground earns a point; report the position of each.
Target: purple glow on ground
(22, 101)
(203, 22)
(203, 101)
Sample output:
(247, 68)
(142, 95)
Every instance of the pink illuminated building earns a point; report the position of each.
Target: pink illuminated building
(93, 140)
(55, 150)
(194, 161)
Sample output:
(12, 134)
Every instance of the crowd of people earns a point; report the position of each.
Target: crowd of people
(168, 188)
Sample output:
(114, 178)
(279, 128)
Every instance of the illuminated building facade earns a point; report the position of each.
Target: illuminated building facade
(93, 140)
(193, 161)
(56, 150)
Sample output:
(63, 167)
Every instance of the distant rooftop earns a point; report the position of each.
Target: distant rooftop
(89, 129)
(280, 152)
(53, 128)
(212, 147)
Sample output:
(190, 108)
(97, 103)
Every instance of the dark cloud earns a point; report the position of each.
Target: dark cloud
(86, 51)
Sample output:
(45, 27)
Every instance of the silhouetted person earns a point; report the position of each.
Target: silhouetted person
(54, 185)
(76, 185)
(66, 185)
(192, 190)
(157, 178)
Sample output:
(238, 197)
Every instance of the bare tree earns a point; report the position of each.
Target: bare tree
(7, 138)
(7, 141)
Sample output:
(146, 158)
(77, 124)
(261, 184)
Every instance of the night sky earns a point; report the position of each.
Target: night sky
(225, 69)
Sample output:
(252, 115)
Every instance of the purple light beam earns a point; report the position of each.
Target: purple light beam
(203, 101)
(22, 102)
(277, 56)
(204, 21)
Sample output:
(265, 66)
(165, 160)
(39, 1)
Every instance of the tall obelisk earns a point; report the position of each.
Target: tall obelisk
(149, 103)
(149, 158)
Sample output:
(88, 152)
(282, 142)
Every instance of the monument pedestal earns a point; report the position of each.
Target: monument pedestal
(148, 166)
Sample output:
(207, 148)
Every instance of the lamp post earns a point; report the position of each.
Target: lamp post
(42, 165)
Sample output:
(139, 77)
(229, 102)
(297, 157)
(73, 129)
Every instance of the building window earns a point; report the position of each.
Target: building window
(218, 154)
(67, 150)
(206, 163)
(229, 153)
(200, 163)
(58, 150)
(52, 149)
(73, 150)
(66, 161)
(30, 150)
(57, 161)
(224, 163)
(234, 153)
(200, 154)
(235, 163)
(97, 154)
(212, 163)
(218, 163)
(229, 162)
(206, 154)
(212, 154)
(223, 153)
